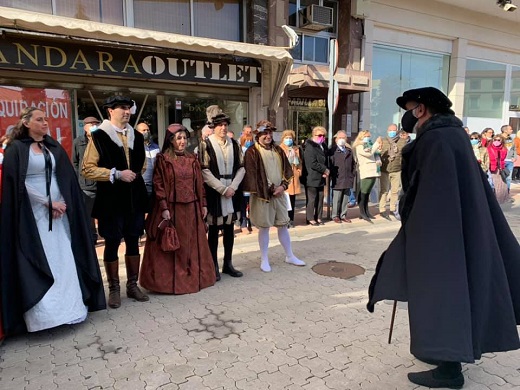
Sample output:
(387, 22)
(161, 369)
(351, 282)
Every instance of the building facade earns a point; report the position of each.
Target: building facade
(467, 48)
(174, 58)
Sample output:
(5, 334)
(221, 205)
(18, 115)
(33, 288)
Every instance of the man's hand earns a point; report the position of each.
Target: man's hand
(165, 214)
(229, 192)
(204, 212)
(278, 191)
(128, 176)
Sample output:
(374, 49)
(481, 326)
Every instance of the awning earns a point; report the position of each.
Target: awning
(313, 81)
(276, 62)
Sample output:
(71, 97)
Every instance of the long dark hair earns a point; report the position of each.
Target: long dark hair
(20, 130)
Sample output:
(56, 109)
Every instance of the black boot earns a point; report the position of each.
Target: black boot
(367, 208)
(213, 247)
(447, 375)
(362, 202)
(229, 240)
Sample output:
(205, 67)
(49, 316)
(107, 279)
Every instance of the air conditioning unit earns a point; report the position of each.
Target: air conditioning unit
(316, 17)
(360, 9)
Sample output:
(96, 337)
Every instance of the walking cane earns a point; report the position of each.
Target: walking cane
(392, 323)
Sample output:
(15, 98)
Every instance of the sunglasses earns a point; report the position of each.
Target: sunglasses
(320, 135)
(473, 138)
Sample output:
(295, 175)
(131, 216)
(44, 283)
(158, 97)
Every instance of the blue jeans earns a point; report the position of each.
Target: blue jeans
(510, 166)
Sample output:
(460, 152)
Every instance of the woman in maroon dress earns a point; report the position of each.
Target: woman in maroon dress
(179, 197)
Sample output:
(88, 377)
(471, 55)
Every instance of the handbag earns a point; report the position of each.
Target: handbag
(168, 239)
(504, 174)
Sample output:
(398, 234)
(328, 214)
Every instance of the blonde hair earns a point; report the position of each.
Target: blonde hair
(289, 133)
(359, 139)
(318, 128)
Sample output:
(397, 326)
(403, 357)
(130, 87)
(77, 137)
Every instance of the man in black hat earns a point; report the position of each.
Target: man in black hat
(88, 187)
(462, 290)
(223, 170)
(115, 159)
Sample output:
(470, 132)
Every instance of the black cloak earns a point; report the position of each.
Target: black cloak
(455, 259)
(25, 276)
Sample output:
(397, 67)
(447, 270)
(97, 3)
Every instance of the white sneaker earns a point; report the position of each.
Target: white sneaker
(295, 261)
(264, 266)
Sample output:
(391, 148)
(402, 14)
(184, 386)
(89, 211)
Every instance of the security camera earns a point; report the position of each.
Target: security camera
(293, 37)
(506, 5)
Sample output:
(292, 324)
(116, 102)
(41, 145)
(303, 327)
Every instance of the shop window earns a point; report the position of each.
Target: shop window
(396, 70)
(514, 100)
(492, 78)
(44, 6)
(211, 19)
(94, 10)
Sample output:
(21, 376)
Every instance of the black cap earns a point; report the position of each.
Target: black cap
(117, 100)
(429, 96)
(219, 119)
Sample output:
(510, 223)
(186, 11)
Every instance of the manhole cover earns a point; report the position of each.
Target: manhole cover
(337, 269)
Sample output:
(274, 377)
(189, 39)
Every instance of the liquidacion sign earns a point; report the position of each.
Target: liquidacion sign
(58, 57)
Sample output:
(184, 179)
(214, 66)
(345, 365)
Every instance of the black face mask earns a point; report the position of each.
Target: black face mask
(408, 121)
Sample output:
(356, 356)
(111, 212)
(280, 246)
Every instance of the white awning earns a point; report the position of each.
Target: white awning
(276, 62)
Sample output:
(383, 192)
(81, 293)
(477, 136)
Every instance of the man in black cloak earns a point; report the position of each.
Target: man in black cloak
(454, 260)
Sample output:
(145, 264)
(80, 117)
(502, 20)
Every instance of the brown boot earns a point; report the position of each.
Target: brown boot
(132, 273)
(112, 271)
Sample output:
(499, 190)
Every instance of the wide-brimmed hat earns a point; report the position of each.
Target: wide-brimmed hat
(429, 96)
(118, 100)
(263, 126)
(91, 120)
(218, 120)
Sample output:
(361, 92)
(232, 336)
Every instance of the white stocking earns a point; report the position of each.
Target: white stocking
(263, 241)
(285, 240)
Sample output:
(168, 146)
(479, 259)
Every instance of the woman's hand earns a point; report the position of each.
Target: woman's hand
(204, 212)
(58, 209)
(165, 214)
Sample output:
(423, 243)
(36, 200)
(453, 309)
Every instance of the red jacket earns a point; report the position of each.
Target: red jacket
(497, 156)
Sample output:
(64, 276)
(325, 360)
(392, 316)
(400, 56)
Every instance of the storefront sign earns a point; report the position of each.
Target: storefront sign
(305, 102)
(55, 103)
(58, 57)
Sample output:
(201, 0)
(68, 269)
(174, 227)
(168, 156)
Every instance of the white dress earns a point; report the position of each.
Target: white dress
(63, 302)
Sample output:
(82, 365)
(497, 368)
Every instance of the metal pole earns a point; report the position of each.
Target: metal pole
(95, 105)
(141, 110)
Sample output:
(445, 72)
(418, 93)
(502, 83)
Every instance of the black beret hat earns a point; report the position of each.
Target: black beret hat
(117, 100)
(219, 119)
(429, 96)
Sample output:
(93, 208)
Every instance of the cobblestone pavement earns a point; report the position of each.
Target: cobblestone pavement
(289, 329)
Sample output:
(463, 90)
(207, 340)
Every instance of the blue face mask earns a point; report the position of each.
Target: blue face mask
(474, 142)
(249, 143)
(392, 134)
(366, 139)
(93, 128)
(288, 141)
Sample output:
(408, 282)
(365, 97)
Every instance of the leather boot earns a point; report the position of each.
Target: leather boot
(114, 290)
(229, 240)
(213, 247)
(132, 274)
(363, 201)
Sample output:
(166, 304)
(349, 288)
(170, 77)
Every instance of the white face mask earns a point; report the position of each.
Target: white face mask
(342, 142)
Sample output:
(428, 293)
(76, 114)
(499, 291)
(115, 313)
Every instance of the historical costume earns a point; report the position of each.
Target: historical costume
(455, 262)
(268, 174)
(179, 188)
(48, 277)
(116, 159)
(222, 168)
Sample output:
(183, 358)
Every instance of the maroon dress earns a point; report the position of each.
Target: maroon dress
(178, 186)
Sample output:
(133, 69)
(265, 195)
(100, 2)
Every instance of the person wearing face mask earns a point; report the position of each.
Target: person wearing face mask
(342, 174)
(481, 153)
(268, 174)
(462, 290)
(315, 156)
(79, 145)
(516, 168)
(497, 168)
(151, 149)
(369, 167)
(390, 180)
(506, 131)
(292, 151)
(246, 141)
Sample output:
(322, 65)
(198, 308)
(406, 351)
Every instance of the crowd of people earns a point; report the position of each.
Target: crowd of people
(186, 201)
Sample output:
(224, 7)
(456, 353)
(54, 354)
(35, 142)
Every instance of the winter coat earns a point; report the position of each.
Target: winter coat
(315, 159)
(342, 168)
(393, 165)
(367, 162)
(497, 157)
(294, 185)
